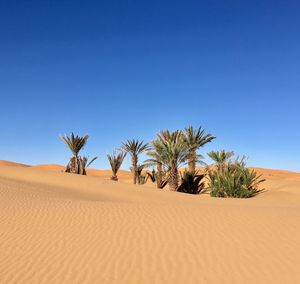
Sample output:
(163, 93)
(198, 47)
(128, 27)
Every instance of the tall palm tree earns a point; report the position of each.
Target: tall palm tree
(135, 148)
(172, 152)
(195, 139)
(75, 144)
(116, 160)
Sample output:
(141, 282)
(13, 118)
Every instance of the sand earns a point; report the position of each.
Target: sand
(12, 164)
(63, 228)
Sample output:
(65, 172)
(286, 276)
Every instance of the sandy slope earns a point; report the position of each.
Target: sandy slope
(12, 164)
(124, 176)
(62, 228)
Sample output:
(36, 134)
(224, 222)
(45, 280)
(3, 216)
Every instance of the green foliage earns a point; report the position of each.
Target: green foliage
(191, 182)
(170, 151)
(233, 178)
(85, 163)
(77, 164)
(159, 178)
(75, 143)
(135, 147)
(152, 175)
(115, 161)
(141, 178)
(220, 157)
(171, 148)
(196, 138)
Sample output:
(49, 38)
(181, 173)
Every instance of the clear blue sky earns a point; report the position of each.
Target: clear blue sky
(127, 69)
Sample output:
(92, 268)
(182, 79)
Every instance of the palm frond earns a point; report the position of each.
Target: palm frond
(75, 143)
(196, 138)
(135, 147)
(220, 157)
(116, 161)
(85, 161)
(191, 183)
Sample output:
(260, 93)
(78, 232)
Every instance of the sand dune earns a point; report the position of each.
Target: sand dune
(63, 228)
(12, 164)
(106, 174)
(50, 167)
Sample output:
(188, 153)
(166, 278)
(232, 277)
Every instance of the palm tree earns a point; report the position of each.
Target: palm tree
(172, 152)
(135, 148)
(75, 144)
(85, 163)
(140, 177)
(156, 160)
(220, 157)
(195, 139)
(116, 160)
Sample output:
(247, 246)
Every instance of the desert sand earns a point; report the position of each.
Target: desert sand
(63, 228)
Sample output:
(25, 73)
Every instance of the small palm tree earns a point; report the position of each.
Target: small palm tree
(85, 163)
(172, 152)
(156, 160)
(195, 139)
(116, 160)
(135, 148)
(220, 157)
(141, 178)
(75, 144)
(152, 175)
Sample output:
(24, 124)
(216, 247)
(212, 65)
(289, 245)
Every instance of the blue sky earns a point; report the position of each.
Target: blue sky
(127, 69)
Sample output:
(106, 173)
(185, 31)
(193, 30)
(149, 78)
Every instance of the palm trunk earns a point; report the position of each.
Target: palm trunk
(81, 169)
(73, 166)
(159, 175)
(173, 178)
(192, 161)
(114, 177)
(134, 168)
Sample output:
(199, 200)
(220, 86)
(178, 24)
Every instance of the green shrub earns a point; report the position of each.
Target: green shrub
(234, 179)
(142, 179)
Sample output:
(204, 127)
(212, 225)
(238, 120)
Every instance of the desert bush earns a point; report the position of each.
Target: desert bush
(234, 179)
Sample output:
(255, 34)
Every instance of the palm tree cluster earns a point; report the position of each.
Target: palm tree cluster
(172, 150)
(168, 153)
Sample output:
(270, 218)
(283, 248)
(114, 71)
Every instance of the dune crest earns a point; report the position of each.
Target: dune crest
(12, 164)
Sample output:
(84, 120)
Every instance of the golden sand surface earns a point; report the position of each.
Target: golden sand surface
(64, 228)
